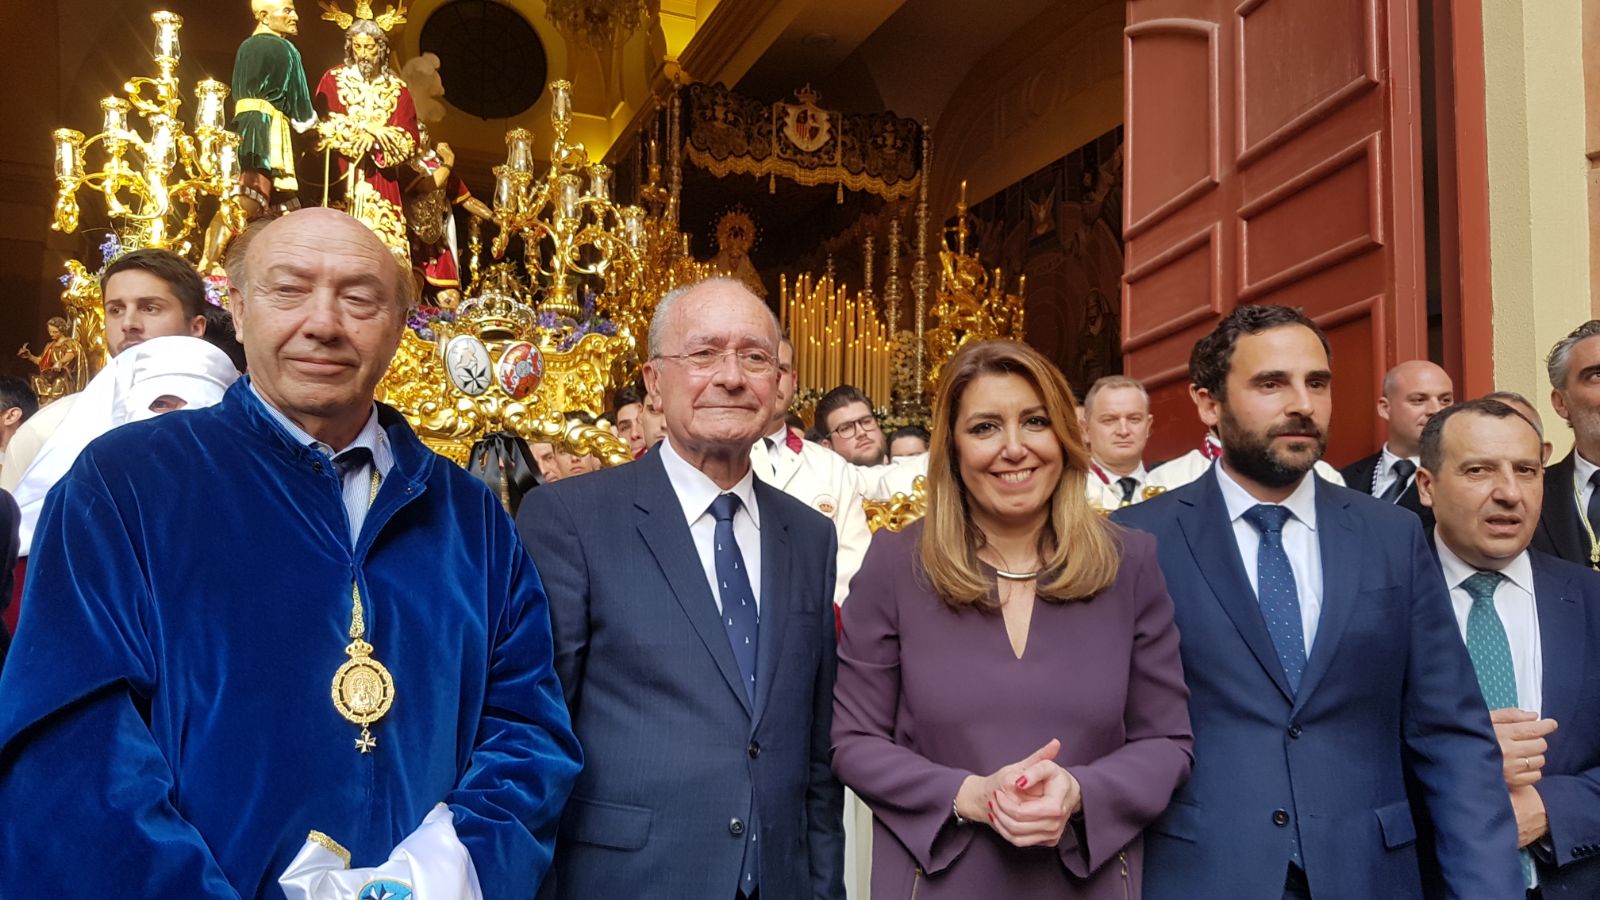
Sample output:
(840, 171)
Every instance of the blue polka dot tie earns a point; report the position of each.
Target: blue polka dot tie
(1276, 592)
(739, 614)
(1490, 650)
(740, 618)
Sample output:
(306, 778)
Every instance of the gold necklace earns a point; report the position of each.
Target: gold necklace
(363, 689)
(1594, 543)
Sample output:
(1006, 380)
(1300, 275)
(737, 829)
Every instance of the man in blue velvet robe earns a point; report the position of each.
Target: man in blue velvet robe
(166, 724)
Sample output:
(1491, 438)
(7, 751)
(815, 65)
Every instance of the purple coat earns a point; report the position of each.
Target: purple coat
(927, 695)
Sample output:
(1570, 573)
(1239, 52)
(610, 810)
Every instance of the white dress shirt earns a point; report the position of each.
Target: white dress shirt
(1299, 543)
(356, 481)
(1105, 492)
(1383, 475)
(1513, 600)
(695, 492)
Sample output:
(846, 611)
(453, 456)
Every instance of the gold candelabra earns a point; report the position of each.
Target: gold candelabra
(573, 233)
(152, 185)
(971, 303)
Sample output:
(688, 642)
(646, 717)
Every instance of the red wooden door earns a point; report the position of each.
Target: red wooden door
(1272, 155)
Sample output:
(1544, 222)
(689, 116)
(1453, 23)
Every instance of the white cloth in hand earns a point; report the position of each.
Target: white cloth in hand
(430, 864)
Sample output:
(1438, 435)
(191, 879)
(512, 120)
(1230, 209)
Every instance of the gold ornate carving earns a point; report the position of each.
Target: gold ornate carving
(899, 510)
(970, 304)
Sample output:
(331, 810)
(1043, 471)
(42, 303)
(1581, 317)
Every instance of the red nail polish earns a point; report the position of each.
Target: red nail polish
(1022, 782)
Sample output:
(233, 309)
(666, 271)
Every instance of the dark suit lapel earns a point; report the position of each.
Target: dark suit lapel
(667, 534)
(1339, 541)
(1561, 638)
(1210, 536)
(1560, 516)
(775, 598)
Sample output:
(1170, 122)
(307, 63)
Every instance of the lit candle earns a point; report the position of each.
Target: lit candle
(633, 225)
(167, 25)
(599, 186)
(560, 103)
(69, 153)
(159, 152)
(502, 188)
(209, 96)
(115, 121)
(228, 157)
(567, 196)
(519, 150)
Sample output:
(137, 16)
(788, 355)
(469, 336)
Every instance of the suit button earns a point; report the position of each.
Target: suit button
(755, 749)
(1279, 817)
(1294, 730)
(736, 827)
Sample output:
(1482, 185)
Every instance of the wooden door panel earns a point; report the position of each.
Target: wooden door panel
(1299, 61)
(1314, 100)
(1175, 109)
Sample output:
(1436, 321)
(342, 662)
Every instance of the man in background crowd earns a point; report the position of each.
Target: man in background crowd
(1116, 423)
(908, 440)
(630, 406)
(146, 294)
(1570, 521)
(1413, 392)
(1525, 406)
(849, 427)
(17, 404)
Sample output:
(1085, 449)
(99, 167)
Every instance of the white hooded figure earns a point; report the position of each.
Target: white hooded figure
(156, 376)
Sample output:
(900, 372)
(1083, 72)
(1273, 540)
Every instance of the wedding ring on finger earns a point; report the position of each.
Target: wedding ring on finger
(1526, 766)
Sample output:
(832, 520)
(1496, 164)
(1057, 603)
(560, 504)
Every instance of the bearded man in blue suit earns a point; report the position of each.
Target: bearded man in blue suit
(1328, 681)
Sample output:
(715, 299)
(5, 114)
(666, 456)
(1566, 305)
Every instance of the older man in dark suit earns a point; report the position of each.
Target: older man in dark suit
(1531, 623)
(692, 606)
(1328, 683)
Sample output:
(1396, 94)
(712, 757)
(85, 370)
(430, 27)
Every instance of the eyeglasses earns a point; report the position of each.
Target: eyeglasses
(753, 362)
(848, 429)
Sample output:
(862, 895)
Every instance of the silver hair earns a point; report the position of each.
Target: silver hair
(1107, 382)
(661, 319)
(1560, 358)
(1511, 398)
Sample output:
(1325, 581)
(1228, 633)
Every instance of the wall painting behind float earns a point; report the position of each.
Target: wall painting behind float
(1062, 227)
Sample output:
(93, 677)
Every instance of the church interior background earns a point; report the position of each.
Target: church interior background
(893, 175)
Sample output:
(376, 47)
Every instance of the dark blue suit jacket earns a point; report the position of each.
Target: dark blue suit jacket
(1568, 598)
(1388, 691)
(674, 750)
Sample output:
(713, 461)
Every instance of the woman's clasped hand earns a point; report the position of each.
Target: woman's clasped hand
(1028, 802)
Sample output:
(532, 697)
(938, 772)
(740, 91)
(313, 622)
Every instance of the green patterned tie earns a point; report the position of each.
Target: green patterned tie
(1490, 650)
(1487, 642)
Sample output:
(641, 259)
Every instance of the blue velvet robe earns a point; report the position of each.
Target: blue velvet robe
(166, 728)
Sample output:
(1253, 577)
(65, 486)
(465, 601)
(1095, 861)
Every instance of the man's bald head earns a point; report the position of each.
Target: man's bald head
(1413, 392)
(324, 221)
(322, 313)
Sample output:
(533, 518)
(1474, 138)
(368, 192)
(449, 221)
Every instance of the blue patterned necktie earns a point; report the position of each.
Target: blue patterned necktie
(739, 615)
(740, 618)
(1276, 592)
(1490, 650)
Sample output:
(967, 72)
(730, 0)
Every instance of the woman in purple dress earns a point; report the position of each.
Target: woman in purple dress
(1010, 701)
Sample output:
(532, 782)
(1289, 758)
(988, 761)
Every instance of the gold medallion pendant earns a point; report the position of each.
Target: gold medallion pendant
(363, 691)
